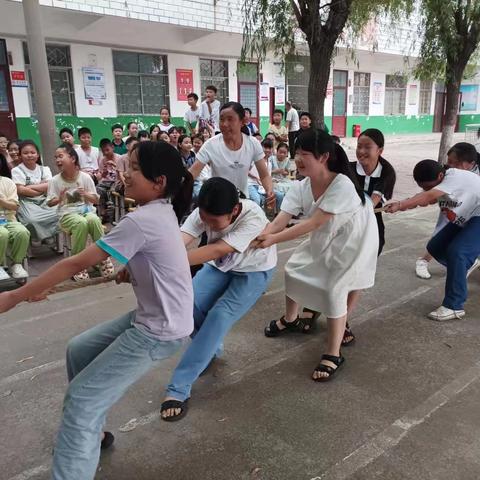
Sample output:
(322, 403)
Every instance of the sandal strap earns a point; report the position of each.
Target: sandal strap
(289, 325)
(172, 404)
(309, 310)
(324, 368)
(332, 358)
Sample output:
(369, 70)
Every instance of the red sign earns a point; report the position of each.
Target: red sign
(184, 83)
(18, 79)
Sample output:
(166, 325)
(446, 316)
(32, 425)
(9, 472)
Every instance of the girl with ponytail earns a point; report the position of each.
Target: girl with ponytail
(103, 362)
(339, 258)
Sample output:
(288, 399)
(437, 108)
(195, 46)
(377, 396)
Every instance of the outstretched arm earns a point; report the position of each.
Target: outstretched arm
(422, 199)
(212, 251)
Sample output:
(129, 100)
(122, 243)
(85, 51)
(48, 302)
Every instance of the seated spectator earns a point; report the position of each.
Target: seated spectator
(279, 131)
(66, 136)
(31, 178)
(73, 193)
(271, 136)
(12, 148)
(165, 123)
(205, 133)
(132, 130)
(118, 144)
(197, 143)
(14, 237)
(305, 122)
(205, 174)
(248, 122)
(164, 137)
(88, 156)
(106, 178)
(174, 134)
(280, 169)
(143, 136)
(123, 165)
(185, 149)
(154, 133)
(4, 149)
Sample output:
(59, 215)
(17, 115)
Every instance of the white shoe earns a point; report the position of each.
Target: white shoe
(3, 274)
(18, 271)
(421, 269)
(443, 313)
(475, 265)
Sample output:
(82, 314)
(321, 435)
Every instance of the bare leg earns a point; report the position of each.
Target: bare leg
(291, 310)
(427, 257)
(352, 300)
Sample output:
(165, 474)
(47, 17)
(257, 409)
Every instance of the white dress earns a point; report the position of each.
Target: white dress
(338, 257)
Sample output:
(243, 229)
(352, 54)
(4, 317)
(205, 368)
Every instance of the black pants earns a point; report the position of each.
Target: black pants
(291, 143)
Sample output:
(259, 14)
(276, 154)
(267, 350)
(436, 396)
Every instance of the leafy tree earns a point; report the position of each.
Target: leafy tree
(276, 25)
(451, 35)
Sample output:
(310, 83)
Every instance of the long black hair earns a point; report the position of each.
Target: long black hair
(319, 142)
(4, 169)
(160, 158)
(465, 152)
(218, 196)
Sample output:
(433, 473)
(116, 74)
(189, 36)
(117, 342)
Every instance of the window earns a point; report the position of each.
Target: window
(61, 82)
(247, 76)
(141, 81)
(361, 93)
(425, 101)
(297, 73)
(215, 72)
(395, 95)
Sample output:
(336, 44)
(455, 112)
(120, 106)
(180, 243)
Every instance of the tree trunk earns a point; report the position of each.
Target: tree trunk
(320, 61)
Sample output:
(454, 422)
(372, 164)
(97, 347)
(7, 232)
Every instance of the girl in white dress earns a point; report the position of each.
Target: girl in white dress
(339, 257)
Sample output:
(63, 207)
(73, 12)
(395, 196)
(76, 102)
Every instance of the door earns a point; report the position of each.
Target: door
(7, 111)
(248, 88)
(339, 116)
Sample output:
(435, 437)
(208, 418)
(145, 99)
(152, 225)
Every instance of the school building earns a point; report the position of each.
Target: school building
(115, 61)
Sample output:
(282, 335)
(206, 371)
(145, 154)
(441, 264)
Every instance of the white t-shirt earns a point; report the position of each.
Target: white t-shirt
(247, 226)
(88, 160)
(8, 191)
(22, 175)
(165, 128)
(73, 201)
(229, 164)
(461, 199)
(213, 117)
(254, 172)
(292, 117)
(192, 116)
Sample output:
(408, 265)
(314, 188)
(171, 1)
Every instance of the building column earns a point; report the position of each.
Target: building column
(41, 80)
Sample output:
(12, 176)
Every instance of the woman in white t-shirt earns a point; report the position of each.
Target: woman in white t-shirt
(227, 287)
(232, 153)
(456, 245)
(31, 178)
(339, 258)
(73, 193)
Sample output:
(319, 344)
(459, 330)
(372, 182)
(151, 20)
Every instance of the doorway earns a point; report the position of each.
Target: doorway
(7, 111)
(339, 114)
(247, 75)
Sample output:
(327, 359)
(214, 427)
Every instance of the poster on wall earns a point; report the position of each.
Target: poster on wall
(18, 79)
(469, 97)
(264, 92)
(412, 94)
(184, 84)
(329, 93)
(279, 95)
(278, 74)
(377, 93)
(94, 83)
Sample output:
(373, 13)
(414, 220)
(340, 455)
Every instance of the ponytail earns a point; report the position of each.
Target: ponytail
(182, 200)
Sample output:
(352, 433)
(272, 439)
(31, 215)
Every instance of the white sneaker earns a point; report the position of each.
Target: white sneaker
(443, 313)
(3, 274)
(421, 269)
(18, 271)
(475, 265)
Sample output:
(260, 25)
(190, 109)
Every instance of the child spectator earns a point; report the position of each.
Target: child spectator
(107, 177)
(279, 131)
(293, 126)
(132, 130)
(197, 143)
(280, 169)
(123, 163)
(210, 110)
(205, 133)
(305, 121)
(66, 136)
(185, 149)
(4, 149)
(88, 156)
(31, 178)
(164, 137)
(165, 124)
(258, 136)
(182, 130)
(192, 115)
(118, 143)
(12, 148)
(174, 134)
(270, 136)
(154, 133)
(14, 237)
(248, 122)
(205, 174)
(73, 193)
(143, 136)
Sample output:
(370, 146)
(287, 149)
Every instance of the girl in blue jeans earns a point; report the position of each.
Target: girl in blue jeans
(227, 287)
(103, 362)
(457, 245)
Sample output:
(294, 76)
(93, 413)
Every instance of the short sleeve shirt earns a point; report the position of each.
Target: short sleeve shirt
(231, 165)
(108, 169)
(22, 175)
(8, 191)
(191, 116)
(247, 226)
(292, 117)
(211, 117)
(88, 160)
(148, 241)
(165, 128)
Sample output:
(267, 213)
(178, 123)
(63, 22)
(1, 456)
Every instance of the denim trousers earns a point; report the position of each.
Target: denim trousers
(259, 198)
(220, 300)
(102, 363)
(456, 248)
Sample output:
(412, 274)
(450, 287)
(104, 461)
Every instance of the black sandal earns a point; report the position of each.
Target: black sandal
(338, 361)
(107, 441)
(272, 329)
(174, 404)
(348, 334)
(308, 325)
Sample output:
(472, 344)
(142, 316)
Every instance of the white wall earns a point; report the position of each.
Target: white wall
(92, 56)
(21, 95)
(412, 109)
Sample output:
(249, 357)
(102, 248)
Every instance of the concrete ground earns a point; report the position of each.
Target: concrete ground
(404, 406)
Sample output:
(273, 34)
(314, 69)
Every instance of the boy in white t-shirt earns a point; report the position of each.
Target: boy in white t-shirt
(227, 287)
(192, 115)
(88, 156)
(210, 110)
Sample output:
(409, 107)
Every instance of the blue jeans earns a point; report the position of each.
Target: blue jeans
(220, 300)
(102, 363)
(259, 198)
(456, 248)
